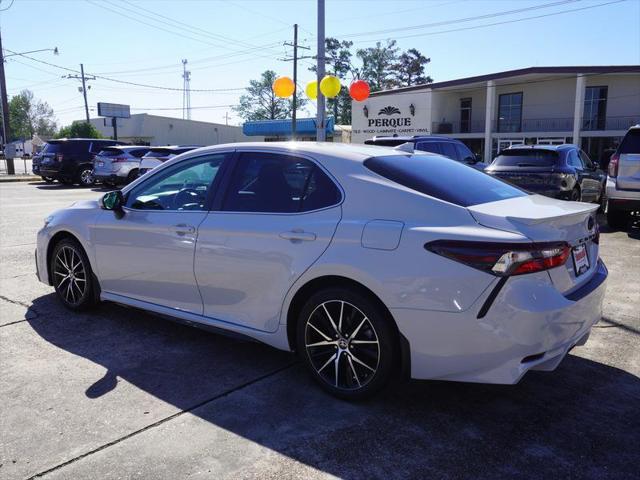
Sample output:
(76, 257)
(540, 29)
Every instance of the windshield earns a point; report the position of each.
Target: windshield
(526, 158)
(432, 175)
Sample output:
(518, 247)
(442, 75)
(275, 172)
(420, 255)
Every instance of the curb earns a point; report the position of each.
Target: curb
(12, 178)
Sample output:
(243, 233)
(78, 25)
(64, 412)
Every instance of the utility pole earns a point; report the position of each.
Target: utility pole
(84, 92)
(226, 118)
(295, 78)
(186, 91)
(84, 87)
(320, 119)
(6, 127)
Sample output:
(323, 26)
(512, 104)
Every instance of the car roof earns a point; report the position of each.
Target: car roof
(415, 138)
(555, 148)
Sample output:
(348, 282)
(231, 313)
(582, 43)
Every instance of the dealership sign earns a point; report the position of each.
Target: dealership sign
(394, 114)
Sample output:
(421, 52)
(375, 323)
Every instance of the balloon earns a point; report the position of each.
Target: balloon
(283, 87)
(330, 86)
(359, 90)
(312, 90)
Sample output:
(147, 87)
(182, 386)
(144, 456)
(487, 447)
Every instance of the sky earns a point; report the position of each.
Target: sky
(229, 42)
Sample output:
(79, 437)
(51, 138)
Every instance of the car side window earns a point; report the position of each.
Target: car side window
(449, 150)
(574, 160)
(278, 183)
(464, 154)
(138, 153)
(184, 186)
(432, 147)
(586, 160)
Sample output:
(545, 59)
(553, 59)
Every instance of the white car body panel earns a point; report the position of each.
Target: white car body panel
(237, 273)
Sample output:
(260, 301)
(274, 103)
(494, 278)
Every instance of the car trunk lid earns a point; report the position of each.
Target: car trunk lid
(543, 219)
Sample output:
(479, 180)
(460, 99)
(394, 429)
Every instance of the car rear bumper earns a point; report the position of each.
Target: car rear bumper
(622, 199)
(108, 178)
(530, 325)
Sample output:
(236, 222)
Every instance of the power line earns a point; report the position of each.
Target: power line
(474, 27)
(125, 82)
(460, 20)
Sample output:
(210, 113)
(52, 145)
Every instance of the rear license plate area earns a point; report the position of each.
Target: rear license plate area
(580, 259)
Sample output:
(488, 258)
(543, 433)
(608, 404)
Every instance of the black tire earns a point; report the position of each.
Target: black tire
(575, 195)
(48, 179)
(76, 292)
(342, 365)
(133, 174)
(617, 219)
(84, 177)
(602, 201)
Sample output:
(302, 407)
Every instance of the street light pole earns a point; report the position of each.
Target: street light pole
(6, 127)
(320, 118)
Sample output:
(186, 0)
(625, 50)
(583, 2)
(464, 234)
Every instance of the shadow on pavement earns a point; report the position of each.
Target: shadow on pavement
(64, 186)
(581, 421)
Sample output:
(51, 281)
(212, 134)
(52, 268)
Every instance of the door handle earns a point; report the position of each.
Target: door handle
(183, 229)
(298, 235)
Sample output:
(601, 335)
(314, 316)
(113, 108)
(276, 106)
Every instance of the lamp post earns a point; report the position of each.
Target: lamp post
(6, 127)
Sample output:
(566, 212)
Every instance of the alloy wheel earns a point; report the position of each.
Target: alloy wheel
(342, 345)
(70, 275)
(86, 177)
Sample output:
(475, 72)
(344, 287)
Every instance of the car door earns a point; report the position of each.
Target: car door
(277, 217)
(148, 253)
(593, 179)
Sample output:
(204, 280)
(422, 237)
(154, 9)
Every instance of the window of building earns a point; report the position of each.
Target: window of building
(595, 108)
(268, 182)
(465, 115)
(510, 112)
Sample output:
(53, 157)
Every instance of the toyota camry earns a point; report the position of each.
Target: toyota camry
(370, 263)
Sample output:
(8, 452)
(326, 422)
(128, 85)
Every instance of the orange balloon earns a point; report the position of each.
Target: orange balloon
(283, 87)
(359, 90)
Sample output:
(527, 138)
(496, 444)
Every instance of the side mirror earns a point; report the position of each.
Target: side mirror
(113, 201)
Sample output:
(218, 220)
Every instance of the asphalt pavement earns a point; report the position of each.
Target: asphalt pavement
(119, 393)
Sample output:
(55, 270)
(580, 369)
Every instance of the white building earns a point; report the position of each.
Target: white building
(143, 128)
(588, 106)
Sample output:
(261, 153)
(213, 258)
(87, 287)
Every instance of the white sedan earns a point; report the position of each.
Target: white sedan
(370, 262)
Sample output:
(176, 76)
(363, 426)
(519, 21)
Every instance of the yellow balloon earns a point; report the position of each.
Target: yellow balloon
(330, 86)
(312, 90)
(283, 87)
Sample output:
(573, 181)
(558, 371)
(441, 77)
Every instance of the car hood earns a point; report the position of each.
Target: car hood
(85, 204)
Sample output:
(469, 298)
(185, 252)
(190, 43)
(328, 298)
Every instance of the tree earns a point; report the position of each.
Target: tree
(378, 64)
(338, 59)
(79, 130)
(409, 69)
(29, 116)
(260, 103)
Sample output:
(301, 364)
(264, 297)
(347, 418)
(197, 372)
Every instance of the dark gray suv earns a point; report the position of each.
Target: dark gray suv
(445, 146)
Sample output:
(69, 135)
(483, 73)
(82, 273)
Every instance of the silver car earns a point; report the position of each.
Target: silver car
(118, 164)
(623, 182)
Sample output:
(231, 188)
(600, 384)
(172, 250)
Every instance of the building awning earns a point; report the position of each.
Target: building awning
(282, 128)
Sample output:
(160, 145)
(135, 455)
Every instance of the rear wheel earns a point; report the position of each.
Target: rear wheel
(617, 219)
(347, 342)
(48, 179)
(133, 174)
(85, 177)
(72, 275)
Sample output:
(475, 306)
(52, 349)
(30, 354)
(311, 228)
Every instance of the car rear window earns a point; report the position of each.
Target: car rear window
(432, 175)
(385, 143)
(110, 152)
(526, 158)
(66, 147)
(159, 152)
(630, 142)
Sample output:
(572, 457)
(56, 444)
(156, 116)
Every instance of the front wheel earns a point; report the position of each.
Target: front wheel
(347, 342)
(72, 276)
(575, 195)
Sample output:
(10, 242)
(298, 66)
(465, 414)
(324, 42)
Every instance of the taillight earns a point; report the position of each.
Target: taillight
(119, 160)
(503, 259)
(613, 165)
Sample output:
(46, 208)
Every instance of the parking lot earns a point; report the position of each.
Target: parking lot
(118, 393)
